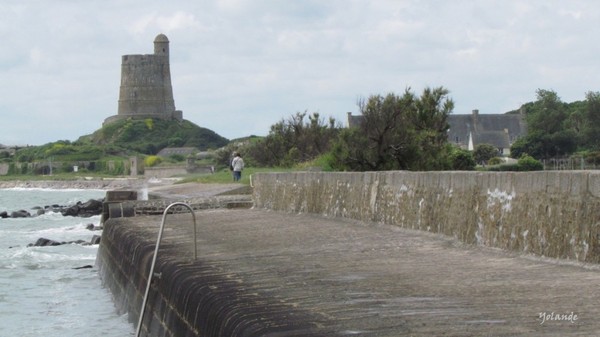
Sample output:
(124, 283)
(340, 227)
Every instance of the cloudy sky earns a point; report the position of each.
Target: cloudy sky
(239, 66)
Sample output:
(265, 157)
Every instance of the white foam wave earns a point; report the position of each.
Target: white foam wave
(46, 189)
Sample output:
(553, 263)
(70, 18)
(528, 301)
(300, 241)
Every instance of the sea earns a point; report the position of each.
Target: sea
(42, 294)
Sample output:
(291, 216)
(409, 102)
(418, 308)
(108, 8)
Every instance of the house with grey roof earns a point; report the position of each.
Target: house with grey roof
(469, 130)
(500, 130)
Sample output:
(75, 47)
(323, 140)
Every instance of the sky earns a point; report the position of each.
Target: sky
(240, 66)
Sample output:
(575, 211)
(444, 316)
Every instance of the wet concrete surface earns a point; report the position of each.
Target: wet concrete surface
(339, 277)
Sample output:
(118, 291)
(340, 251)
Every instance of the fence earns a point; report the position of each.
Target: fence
(558, 164)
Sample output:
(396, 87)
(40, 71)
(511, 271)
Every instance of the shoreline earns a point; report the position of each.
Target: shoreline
(84, 183)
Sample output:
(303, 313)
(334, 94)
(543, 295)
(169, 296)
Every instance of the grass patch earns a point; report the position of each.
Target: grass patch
(225, 176)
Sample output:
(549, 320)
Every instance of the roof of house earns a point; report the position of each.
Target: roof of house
(168, 151)
(499, 139)
(500, 130)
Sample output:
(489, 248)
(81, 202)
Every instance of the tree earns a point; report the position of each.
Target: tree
(383, 141)
(548, 113)
(430, 119)
(548, 134)
(294, 140)
(485, 152)
(397, 133)
(592, 128)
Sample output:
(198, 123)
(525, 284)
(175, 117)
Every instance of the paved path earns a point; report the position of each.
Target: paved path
(346, 278)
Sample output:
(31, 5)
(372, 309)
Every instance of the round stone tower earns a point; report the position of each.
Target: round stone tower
(146, 90)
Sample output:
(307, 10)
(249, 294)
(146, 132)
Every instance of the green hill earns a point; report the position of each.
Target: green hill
(151, 135)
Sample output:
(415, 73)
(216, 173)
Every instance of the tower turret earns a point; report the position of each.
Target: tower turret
(161, 45)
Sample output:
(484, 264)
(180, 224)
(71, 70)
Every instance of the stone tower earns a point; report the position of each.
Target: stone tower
(146, 90)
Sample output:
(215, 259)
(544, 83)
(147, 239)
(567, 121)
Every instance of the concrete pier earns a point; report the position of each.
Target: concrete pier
(374, 254)
(264, 273)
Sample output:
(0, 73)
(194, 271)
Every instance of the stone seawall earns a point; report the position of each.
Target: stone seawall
(552, 214)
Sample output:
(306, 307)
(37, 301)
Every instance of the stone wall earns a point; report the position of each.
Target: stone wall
(164, 172)
(553, 214)
(4, 169)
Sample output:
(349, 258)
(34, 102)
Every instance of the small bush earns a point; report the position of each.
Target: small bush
(151, 161)
(177, 157)
(462, 160)
(495, 161)
(528, 163)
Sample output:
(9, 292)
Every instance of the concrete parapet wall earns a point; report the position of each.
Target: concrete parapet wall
(553, 214)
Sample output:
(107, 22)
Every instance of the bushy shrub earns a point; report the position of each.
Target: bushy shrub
(176, 157)
(593, 157)
(495, 161)
(528, 163)
(150, 161)
(525, 163)
(462, 160)
(507, 167)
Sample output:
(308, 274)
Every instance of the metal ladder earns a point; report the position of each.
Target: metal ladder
(151, 274)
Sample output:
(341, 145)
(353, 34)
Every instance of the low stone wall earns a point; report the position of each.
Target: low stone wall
(164, 172)
(4, 169)
(553, 214)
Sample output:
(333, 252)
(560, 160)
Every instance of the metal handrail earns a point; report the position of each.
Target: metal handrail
(151, 274)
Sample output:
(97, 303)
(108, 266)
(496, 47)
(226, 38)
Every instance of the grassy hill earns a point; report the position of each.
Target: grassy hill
(151, 135)
(119, 140)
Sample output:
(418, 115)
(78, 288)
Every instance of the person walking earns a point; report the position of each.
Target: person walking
(237, 165)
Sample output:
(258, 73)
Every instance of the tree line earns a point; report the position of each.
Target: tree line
(409, 132)
(558, 130)
(397, 132)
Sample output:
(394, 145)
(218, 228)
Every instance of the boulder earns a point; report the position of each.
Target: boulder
(92, 227)
(84, 267)
(86, 209)
(95, 240)
(43, 242)
(71, 211)
(20, 214)
(92, 207)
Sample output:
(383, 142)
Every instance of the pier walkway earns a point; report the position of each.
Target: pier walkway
(267, 273)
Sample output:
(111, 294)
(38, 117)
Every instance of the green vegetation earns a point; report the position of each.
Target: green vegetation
(557, 129)
(462, 160)
(107, 150)
(150, 136)
(293, 141)
(152, 161)
(398, 133)
(224, 176)
(525, 163)
(484, 152)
